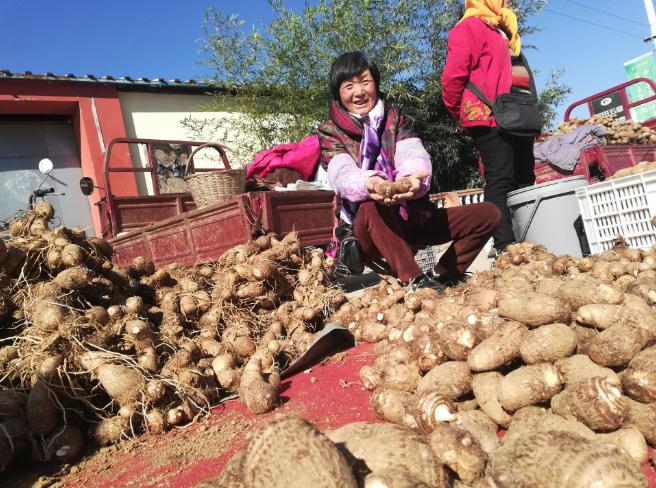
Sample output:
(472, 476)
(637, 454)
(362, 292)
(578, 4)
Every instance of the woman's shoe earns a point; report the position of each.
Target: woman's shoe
(425, 281)
(452, 279)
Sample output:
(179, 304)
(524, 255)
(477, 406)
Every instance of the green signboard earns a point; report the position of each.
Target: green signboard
(641, 67)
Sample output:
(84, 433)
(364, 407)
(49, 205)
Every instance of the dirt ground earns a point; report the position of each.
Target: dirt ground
(183, 447)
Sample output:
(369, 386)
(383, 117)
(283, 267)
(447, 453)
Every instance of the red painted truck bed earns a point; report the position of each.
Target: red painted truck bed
(612, 158)
(604, 160)
(204, 234)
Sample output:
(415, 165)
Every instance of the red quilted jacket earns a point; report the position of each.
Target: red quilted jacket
(476, 52)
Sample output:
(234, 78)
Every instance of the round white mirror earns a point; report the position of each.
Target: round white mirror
(45, 166)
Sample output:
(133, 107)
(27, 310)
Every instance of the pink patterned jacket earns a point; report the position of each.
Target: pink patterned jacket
(476, 52)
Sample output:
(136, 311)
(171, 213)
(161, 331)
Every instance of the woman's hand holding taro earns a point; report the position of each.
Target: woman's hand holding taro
(415, 182)
(372, 184)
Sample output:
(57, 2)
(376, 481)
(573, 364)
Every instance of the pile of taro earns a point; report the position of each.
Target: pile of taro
(92, 351)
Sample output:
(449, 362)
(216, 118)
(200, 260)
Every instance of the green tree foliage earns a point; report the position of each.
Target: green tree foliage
(277, 74)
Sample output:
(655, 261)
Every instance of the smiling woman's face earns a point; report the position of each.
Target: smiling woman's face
(359, 94)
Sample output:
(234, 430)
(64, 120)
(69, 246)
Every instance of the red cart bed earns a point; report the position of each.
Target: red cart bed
(204, 234)
(606, 160)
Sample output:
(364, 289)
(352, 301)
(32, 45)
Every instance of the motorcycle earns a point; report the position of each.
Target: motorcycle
(45, 166)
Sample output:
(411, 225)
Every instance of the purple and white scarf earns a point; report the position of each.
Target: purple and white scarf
(371, 147)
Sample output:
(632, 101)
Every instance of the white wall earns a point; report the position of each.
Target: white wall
(160, 116)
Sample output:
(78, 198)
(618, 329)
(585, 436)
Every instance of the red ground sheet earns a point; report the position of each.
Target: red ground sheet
(330, 395)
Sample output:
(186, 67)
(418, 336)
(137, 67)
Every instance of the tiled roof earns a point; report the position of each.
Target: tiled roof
(123, 82)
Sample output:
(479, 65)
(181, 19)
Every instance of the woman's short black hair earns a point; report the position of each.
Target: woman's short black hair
(347, 65)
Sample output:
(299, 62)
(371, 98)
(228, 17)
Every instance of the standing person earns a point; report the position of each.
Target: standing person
(484, 49)
(366, 142)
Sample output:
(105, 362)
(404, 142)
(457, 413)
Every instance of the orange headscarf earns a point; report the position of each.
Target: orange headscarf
(494, 12)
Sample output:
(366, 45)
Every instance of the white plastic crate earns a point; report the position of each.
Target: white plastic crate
(622, 207)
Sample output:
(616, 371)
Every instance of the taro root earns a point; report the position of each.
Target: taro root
(258, 394)
(582, 292)
(558, 459)
(385, 189)
(147, 359)
(379, 447)
(497, 349)
(154, 421)
(534, 309)
(12, 403)
(231, 475)
(584, 336)
(428, 352)
(486, 387)
(155, 390)
(533, 419)
(42, 411)
(481, 426)
(47, 315)
(630, 440)
(15, 430)
(391, 478)
(73, 278)
(373, 331)
(101, 246)
(72, 255)
(135, 305)
(139, 333)
(110, 431)
(536, 419)
(289, 451)
(370, 377)
(142, 267)
(50, 365)
(451, 379)
(644, 289)
(400, 376)
(599, 315)
(617, 345)
(642, 416)
(427, 410)
(580, 368)
(456, 339)
(44, 209)
(65, 445)
(97, 315)
(549, 286)
(596, 402)
(548, 344)
(458, 450)
(390, 404)
(484, 299)
(639, 379)
(529, 385)
(122, 383)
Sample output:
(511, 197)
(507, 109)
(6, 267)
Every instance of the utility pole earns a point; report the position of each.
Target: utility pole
(651, 16)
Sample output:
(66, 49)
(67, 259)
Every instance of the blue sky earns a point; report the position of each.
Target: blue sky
(159, 38)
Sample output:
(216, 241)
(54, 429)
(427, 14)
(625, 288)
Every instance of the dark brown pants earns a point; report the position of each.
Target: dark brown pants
(382, 233)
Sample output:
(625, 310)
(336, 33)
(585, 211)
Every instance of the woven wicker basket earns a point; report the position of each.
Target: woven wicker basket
(209, 187)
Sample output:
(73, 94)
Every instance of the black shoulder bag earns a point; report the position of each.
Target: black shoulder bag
(516, 114)
(349, 254)
(344, 247)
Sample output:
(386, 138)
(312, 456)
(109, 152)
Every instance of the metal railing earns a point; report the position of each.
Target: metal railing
(473, 195)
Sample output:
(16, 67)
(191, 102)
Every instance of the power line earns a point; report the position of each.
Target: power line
(601, 26)
(609, 14)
